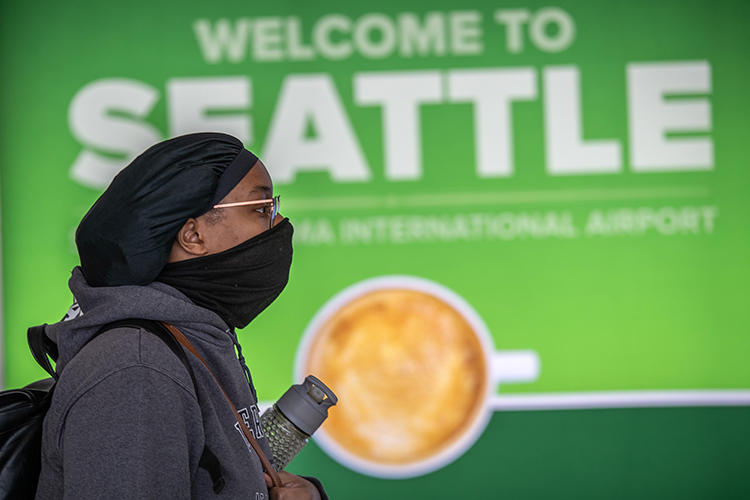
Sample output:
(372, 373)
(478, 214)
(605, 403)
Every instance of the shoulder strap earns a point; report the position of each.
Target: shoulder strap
(41, 347)
(180, 337)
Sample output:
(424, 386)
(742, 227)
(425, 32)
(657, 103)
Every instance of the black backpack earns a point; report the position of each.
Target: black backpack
(22, 412)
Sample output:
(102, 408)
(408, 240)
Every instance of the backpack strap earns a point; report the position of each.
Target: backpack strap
(41, 347)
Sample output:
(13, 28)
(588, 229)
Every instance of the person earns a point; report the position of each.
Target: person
(189, 234)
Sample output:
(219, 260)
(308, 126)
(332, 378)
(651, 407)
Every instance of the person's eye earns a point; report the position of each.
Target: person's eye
(263, 209)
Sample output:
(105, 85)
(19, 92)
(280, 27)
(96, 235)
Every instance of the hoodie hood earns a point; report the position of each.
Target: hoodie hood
(98, 306)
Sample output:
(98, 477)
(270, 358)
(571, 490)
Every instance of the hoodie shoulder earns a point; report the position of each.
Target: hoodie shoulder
(113, 351)
(125, 346)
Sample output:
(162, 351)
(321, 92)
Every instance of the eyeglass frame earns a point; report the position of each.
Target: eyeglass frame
(273, 201)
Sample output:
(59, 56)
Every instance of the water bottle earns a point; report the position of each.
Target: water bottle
(290, 422)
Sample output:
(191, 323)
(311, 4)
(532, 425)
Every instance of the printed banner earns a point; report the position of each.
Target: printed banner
(497, 207)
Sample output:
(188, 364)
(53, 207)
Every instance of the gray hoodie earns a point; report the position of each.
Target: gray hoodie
(126, 420)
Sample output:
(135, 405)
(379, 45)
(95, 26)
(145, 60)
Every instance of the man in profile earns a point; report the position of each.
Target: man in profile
(188, 234)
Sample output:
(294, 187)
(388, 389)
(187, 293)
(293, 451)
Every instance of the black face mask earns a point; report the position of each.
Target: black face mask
(239, 283)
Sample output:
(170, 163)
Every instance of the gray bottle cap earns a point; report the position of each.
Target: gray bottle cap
(306, 404)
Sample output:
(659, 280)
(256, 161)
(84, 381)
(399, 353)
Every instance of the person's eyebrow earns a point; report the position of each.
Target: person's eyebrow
(266, 190)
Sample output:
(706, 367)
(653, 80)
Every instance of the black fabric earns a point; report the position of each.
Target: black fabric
(126, 236)
(233, 175)
(41, 347)
(22, 412)
(239, 283)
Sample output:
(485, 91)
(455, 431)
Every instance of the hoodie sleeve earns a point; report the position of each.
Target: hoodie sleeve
(136, 434)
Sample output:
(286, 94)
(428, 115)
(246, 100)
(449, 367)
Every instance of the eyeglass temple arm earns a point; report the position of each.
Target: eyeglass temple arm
(242, 203)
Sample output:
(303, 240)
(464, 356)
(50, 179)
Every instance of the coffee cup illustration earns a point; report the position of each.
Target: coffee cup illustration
(414, 367)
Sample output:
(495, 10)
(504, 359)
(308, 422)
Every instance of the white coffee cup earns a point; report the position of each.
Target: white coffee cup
(498, 367)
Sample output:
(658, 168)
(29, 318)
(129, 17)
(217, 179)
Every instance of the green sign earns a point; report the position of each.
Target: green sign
(564, 184)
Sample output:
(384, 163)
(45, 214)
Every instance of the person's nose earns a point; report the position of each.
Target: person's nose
(277, 219)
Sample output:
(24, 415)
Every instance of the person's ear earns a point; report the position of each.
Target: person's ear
(190, 239)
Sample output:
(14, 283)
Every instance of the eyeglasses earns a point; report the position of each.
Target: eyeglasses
(272, 203)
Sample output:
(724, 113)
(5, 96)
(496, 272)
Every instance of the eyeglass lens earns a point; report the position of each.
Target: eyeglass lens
(274, 210)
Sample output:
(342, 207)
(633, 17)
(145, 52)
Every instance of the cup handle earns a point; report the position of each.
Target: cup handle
(515, 366)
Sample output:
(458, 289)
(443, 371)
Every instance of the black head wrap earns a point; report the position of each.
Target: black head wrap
(126, 237)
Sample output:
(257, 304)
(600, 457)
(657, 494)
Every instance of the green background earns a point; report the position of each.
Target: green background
(649, 312)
